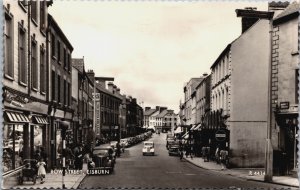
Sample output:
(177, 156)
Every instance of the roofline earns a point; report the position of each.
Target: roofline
(60, 32)
(221, 55)
(286, 18)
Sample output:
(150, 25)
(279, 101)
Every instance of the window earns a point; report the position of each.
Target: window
(52, 45)
(65, 59)
(65, 92)
(34, 11)
(43, 16)
(34, 66)
(297, 86)
(9, 51)
(58, 89)
(69, 63)
(53, 85)
(23, 4)
(42, 70)
(22, 56)
(69, 94)
(58, 52)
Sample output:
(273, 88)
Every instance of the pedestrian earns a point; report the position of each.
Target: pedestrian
(41, 170)
(78, 157)
(224, 158)
(206, 152)
(118, 149)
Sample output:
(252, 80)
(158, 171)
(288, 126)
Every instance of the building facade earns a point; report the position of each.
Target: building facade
(60, 74)
(285, 88)
(25, 93)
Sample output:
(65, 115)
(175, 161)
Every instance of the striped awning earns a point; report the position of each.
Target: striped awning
(40, 120)
(15, 117)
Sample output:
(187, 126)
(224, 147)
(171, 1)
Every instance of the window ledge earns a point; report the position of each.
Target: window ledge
(34, 89)
(22, 84)
(43, 32)
(9, 77)
(295, 53)
(23, 7)
(34, 22)
(43, 93)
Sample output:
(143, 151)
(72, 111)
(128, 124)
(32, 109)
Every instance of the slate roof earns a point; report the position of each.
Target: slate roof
(78, 63)
(291, 10)
(149, 112)
(163, 113)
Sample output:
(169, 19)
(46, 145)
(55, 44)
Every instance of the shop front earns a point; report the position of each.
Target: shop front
(286, 157)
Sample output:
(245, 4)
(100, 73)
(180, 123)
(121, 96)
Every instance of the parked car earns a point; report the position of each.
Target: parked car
(148, 148)
(103, 157)
(124, 142)
(169, 140)
(174, 149)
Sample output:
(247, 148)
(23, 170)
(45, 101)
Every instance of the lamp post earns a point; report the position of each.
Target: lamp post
(64, 126)
(269, 149)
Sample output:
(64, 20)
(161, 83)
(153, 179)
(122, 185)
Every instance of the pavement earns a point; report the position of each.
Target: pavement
(254, 174)
(54, 180)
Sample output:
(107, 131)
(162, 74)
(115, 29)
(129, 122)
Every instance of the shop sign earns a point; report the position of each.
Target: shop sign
(284, 105)
(220, 135)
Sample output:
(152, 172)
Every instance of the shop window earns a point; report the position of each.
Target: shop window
(37, 137)
(12, 147)
(8, 38)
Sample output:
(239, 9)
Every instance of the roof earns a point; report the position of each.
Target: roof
(78, 63)
(53, 23)
(149, 112)
(290, 12)
(163, 113)
(221, 56)
(103, 89)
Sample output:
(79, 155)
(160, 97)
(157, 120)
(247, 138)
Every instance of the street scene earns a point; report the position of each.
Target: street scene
(150, 95)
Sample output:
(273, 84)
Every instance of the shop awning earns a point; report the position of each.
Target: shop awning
(198, 127)
(16, 117)
(193, 127)
(178, 130)
(40, 120)
(187, 136)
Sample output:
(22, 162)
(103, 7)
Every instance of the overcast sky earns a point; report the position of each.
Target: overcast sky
(150, 48)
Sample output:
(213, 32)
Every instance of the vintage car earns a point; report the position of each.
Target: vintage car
(148, 148)
(103, 157)
(124, 142)
(174, 150)
(169, 141)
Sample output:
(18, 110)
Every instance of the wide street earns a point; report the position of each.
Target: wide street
(135, 170)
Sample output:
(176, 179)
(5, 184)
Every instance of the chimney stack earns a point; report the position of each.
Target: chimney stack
(110, 86)
(157, 108)
(277, 7)
(250, 16)
(147, 108)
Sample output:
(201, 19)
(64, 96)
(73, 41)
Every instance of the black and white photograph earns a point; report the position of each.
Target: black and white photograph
(132, 94)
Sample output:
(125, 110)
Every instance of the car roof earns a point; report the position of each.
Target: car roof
(148, 142)
(103, 146)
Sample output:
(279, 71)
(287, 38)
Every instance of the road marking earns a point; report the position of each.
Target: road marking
(168, 172)
(189, 174)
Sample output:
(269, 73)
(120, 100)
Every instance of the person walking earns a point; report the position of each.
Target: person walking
(41, 170)
(78, 157)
